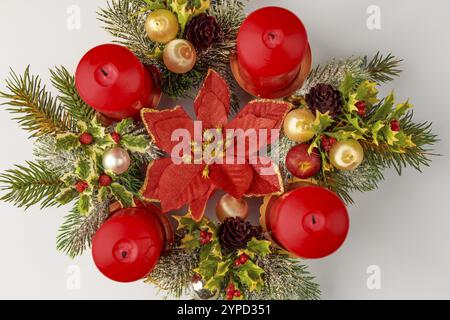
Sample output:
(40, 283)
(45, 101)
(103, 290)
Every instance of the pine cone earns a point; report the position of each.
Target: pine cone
(203, 31)
(234, 234)
(324, 97)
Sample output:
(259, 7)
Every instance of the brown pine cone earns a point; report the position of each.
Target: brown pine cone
(324, 97)
(203, 31)
(234, 234)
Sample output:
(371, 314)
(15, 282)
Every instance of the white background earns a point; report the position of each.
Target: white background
(404, 227)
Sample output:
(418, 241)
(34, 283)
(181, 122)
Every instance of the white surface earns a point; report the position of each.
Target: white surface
(404, 227)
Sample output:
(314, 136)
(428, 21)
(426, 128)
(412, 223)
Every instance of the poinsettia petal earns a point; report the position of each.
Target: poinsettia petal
(212, 104)
(198, 206)
(180, 184)
(268, 109)
(155, 169)
(162, 123)
(234, 179)
(266, 179)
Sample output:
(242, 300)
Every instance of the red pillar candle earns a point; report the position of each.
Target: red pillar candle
(114, 82)
(273, 54)
(128, 245)
(310, 222)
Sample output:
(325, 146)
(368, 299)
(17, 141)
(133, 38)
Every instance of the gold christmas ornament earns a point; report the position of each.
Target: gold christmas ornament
(229, 207)
(346, 155)
(161, 26)
(116, 160)
(179, 56)
(298, 125)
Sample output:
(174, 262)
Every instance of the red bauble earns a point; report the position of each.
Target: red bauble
(113, 81)
(302, 164)
(310, 222)
(272, 44)
(128, 245)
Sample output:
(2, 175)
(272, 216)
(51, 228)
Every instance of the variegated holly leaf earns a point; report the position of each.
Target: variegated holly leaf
(217, 282)
(85, 170)
(85, 204)
(207, 268)
(389, 135)
(355, 124)
(103, 194)
(322, 121)
(191, 241)
(124, 126)
(350, 106)
(401, 109)
(67, 141)
(375, 131)
(260, 248)
(343, 135)
(133, 143)
(211, 249)
(367, 91)
(347, 85)
(67, 195)
(96, 129)
(384, 109)
(122, 195)
(251, 276)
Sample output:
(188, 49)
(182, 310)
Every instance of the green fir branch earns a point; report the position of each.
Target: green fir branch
(65, 83)
(37, 111)
(76, 233)
(383, 68)
(30, 184)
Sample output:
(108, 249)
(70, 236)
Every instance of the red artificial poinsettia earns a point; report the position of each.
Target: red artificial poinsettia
(193, 183)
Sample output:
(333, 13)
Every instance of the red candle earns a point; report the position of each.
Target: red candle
(310, 222)
(128, 245)
(273, 54)
(113, 81)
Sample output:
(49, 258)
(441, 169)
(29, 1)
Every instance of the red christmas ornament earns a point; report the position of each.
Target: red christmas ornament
(302, 164)
(128, 245)
(273, 54)
(310, 222)
(112, 80)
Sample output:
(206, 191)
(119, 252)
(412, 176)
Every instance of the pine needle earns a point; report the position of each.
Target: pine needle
(30, 184)
(37, 111)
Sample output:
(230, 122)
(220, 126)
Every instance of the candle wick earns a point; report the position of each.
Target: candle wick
(104, 72)
(124, 254)
(313, 219)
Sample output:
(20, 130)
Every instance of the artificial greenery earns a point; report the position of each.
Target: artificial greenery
(257, 278)
(358, 79)
(124, 19)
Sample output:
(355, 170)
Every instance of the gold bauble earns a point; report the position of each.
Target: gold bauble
(346, 155)
(161, 26)
(229, 207)
(179, 56)
(298, 125)
(116, 160)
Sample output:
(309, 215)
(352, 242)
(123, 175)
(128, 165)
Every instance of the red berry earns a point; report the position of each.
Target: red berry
(395, 125)
(361, 106)
(230, 296)
(327, 143)
(116, 137)
(203, 234)
(104, 180)
(237, 293)
(243, 258)
(231, 287)
(196, 277)
(302, 164)
(81, 186)
(237, 263)
(86, 138)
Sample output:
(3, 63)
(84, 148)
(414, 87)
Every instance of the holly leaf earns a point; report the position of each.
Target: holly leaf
(384, 109)
(103, 194)
(124, 126)
(67, 141)
(260, 248)
(96, 129)
(250, 275)
(191, 241)
(186, 222)
(154, 4)
(350, 106)
(314, 144)
(355, 124)
(217, 282)
(184, 11)
(343, 135)
(375, 131)
(389, 135)
(210, 249)
(67, 195)
(347, 85)
(85, 204)
(207, 267)
(322, 121)
(122, 195)
(133, 143)
(367, 91)
(401, 109)
(85, 170)
(82, 126)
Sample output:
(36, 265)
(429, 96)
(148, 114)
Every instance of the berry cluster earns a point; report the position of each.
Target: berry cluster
(232, 292)
(205, 237)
